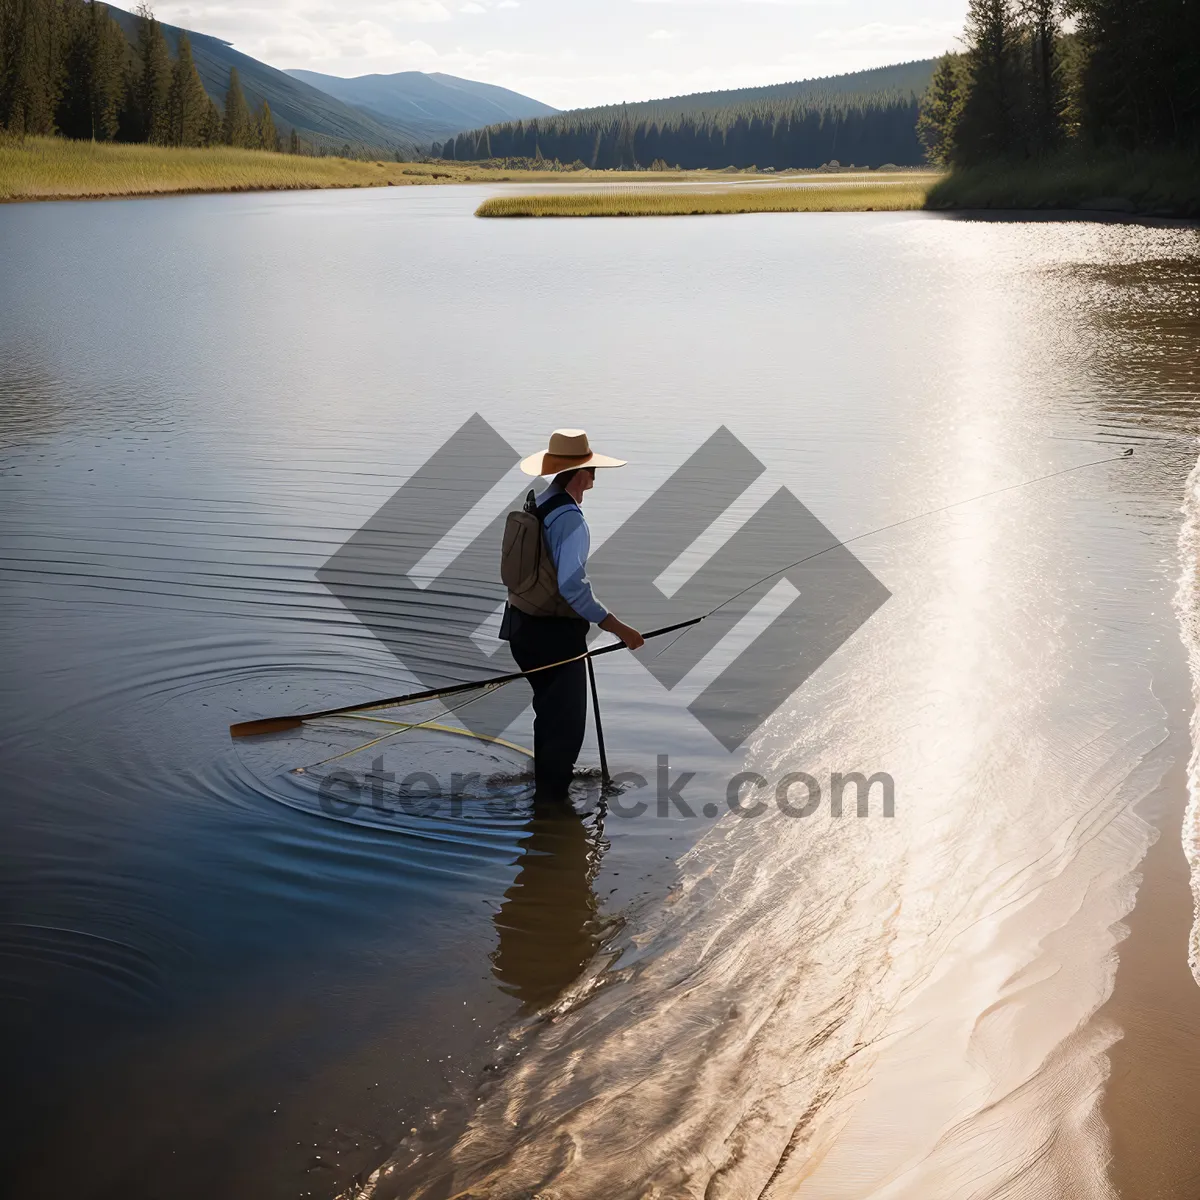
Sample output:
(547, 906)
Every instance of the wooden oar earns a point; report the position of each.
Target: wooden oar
(280, 724)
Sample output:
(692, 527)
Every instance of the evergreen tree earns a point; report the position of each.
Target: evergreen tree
(153, 81)
(626, 158)
(1044, 123)
(987, 126)
(187, 101)
(129, 114)
(32, 64)
(73, 117)
(210, 127)
(1141, 78)
(778, 133)
(484, 149)
(940, 112)
(236, 129)
(8, 60)
(109, 51)
(1071, 62)
(294, 143)
(268, 138)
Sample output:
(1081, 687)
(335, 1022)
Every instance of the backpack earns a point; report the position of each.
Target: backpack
(526, 565)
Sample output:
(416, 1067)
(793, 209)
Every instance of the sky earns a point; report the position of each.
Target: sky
(572, 53)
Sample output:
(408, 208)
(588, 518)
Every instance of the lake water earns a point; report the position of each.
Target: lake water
(215, 984)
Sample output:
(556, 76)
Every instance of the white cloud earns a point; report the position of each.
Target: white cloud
(418, 10)
(351, 38)
(229, 20)
(737, 3)
(573, 53)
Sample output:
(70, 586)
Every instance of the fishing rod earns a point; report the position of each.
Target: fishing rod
(435, 723)
(280, 724)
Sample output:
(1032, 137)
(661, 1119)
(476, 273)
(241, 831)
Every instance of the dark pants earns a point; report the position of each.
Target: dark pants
(559, 695)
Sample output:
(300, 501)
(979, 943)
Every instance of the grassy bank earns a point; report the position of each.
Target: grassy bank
(53, 168)
(1147, 184)
(57, 169)
(887, 195)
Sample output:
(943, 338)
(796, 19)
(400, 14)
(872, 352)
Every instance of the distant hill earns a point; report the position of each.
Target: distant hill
(434, 106)
(901, 80)
(318, 117)
(867, 118)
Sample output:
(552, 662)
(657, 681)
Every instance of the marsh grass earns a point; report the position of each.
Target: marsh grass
(58, 169)
(53, 168)
(1158, 184)
(883, 196)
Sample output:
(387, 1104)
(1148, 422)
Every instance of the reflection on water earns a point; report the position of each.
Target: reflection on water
(546, 927)
(208, 982)
(34, 406)
(854, 1010)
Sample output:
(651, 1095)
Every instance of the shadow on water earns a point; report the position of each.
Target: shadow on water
(547, 924)
(1026, 216)
(549, 929)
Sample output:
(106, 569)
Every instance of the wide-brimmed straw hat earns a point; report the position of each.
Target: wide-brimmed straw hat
(568, 450)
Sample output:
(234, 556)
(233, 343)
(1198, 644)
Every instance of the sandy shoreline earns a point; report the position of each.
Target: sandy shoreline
(1151, 1103)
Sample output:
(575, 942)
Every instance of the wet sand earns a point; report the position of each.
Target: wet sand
(1152, 1099)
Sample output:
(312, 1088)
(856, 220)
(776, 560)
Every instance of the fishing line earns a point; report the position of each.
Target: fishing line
(482, 737)
(405, 727)
(483, 687)
(933, 512)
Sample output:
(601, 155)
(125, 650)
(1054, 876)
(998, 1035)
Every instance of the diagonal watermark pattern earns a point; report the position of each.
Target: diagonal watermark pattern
(423, 575)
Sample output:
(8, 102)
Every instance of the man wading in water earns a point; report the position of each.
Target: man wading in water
(550, 603)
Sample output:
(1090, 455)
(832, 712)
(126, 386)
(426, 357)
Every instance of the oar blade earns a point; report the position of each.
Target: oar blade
(267, 725)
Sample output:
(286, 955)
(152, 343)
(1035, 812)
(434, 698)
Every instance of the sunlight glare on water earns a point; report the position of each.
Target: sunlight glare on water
(920, 1026)
(215, 981)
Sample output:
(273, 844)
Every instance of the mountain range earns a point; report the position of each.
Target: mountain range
(899, 81)
(400, 113)
(868, 117)
(407, 112)
(433, 106)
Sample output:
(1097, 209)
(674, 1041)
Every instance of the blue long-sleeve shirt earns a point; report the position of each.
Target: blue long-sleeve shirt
(569, 541)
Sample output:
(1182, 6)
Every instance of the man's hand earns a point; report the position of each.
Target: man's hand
(626, 633)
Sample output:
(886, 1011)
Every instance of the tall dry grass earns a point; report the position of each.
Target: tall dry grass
(57, 169)
(54, 168)
(882, 196)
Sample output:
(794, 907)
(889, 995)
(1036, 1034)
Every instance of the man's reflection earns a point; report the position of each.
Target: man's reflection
(547, 923)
